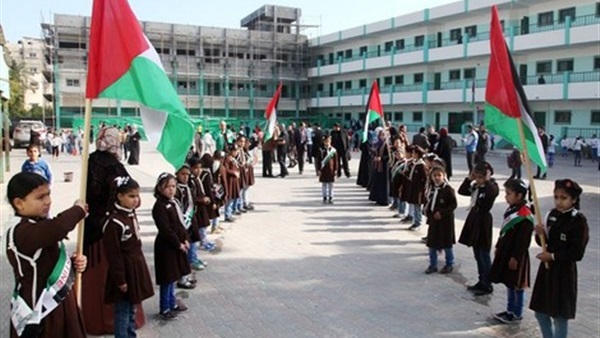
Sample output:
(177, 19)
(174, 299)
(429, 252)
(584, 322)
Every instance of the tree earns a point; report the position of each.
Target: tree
(18, 84)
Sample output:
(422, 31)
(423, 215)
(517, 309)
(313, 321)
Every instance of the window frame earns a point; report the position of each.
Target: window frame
(563, 13)
(415, 114)
(362, 83)
(388, 46)
(597, 62)
(388, 80)
(471, 31)
(348, 84)
(73, 83)
(419, 40)
(363, 50)
(558, 113)
(537, 67)
(399, 116)
(543, 19)
(399, 44)
(455, 34)
(597, 113)
(415, 81)
(452, 72)
(399, 79)
(563, 62)
(348, 53)
(470, 77)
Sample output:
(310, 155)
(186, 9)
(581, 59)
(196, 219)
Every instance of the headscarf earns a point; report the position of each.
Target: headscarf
(109, 140)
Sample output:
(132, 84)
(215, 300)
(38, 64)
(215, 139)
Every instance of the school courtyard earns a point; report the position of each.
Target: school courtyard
(297, 268)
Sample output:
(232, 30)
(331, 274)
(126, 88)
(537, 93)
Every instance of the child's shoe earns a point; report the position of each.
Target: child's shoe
(324, 200)
(446, 269)
(167, 315)
(198, 266)
(186, 285)
(430, 270)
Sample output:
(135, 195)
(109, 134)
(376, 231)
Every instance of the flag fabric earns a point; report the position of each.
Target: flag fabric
(374, 110)
(505, 100)
(524, 213)
(271, 114)
(124, 65)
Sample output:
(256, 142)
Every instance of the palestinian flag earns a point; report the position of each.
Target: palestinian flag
(271, 114)
(124, 65)
(523, 214)
(374, 110)
(505, 101)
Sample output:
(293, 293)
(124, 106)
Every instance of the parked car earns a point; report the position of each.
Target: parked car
(22, 132)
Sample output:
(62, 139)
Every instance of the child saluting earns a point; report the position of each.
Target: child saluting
(43, 304)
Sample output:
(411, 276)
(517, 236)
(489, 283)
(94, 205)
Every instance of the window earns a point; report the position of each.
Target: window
(417, 116)
(418, 78)
(455, 34)
(387, 81)
(398, 116)
(471, 31)
(400, 44)
(469, 73)
(32, 55)
(455, 74)
(339, 85)
(597, 9)
(419, 40)
(340, 55)
(362, 83)
(543, 67)
(388, 46)
(387, 116)
(72, 82)
(564, 65)
(348, 53)
(348, 85)
(502, 25)
(563, 13)
(399, 79)
(562, 116)
(347, 116)
(319, 87)
(545, 19)
(33, 70)
(596, 62)
(595, 118)
(363, 50)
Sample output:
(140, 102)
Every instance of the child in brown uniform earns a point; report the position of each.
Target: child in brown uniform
(511, 260)
(170, 246)
(128, 281)
(417, 179)
(477, 231)
(440, 218)
(328, 168)
(35, 250)
(554, 296)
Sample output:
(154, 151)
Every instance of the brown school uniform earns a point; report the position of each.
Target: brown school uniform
(477, 231)
(29, 236)
(513, 243)
(440, 234)
(249, 170)
(555, 289)
(207, 181)
(184, 202)
(170, 263)
(231, 180)
(330, 169)
(417, 179)
(405, 187)
(201, 219)
(241, 160)
(220, 178)
(126, 261)
(395, 179)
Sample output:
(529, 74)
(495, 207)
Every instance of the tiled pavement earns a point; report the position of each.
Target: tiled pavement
(297, 268)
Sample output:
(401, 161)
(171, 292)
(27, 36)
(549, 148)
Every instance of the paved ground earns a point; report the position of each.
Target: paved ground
(297, 268)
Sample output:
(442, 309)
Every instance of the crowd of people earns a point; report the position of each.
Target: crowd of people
(411, 178)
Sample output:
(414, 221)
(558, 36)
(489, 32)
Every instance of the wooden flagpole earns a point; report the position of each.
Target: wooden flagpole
(536, 203)
(83, 188)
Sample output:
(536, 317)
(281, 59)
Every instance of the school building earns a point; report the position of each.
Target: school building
(432, 65)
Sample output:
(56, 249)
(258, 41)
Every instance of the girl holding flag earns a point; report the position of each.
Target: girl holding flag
(511, 261)
(328, 169)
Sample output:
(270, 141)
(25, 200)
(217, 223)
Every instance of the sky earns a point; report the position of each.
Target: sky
(22, 17)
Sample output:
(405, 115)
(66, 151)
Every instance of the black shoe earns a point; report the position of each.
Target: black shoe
(481, 291)
(414, 227)
(348, 175)
(536, 177)
(330, 201)
(474, 287)
(446, 269)
(187, 285)
(501, 316)
(510, 318)
(243, 210)
(430, 270)
(406, 220)
(229, 220)
(324, 200)
(167, 315)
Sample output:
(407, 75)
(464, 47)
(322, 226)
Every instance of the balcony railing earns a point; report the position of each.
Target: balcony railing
(378, 50)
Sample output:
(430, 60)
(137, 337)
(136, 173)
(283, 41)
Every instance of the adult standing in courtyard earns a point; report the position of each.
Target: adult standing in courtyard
(134, 146)
(104, 167)
(544, 139)
(339, 140)
(471, 146)
(444, 150)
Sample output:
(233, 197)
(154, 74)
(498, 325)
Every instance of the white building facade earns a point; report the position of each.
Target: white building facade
(30, 53)
(432, 65)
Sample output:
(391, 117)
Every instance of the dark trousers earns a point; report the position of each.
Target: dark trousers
(516, 173)
(124, 319)
(479, 157)
(342, 163)
(281, 159)
(309, 153)
(300, 159)
(484, 266)
(470, 160)
(539, 173)
(267, 163)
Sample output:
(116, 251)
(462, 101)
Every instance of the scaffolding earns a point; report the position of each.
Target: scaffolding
(218, 72)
